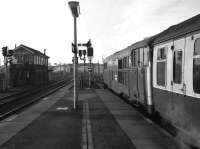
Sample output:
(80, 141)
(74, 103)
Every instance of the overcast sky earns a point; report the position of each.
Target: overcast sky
(110, 24)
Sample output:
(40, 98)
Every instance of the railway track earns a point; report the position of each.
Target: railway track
(14, 103)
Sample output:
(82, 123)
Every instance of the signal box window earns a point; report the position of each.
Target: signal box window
(177, 67)
(161, 66)
(196, 67)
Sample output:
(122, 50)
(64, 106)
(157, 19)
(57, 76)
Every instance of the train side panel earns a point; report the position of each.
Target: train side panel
(176, 93)
(140, 77)
(133, 84)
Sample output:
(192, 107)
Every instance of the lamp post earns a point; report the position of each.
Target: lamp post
(90, 56)
(75, 9)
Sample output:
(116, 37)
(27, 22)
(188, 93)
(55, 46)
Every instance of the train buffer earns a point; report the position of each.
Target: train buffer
(101, 121)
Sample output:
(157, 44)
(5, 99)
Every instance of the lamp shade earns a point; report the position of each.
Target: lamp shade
(75, 9)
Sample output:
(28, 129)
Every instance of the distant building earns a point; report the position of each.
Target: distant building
(97, 68)
(60, 71)
(61, 67)
(29, 66)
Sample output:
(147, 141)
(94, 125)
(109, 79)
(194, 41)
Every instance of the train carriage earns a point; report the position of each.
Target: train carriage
(176, 77)
(115, 71)
(163, 72)
(140, 75)
(128, 72)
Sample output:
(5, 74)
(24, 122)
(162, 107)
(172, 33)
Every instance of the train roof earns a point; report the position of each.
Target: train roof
(127, 51)
(143, 43)
(179, 30)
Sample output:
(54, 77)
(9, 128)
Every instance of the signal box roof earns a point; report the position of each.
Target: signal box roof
(31, 50)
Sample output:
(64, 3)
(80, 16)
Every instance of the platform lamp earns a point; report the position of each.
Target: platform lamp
(75, 9)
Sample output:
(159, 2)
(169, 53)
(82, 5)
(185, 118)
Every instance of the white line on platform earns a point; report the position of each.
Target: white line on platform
(62, 108)
(10, 118)
(45, 98)
(87, 141)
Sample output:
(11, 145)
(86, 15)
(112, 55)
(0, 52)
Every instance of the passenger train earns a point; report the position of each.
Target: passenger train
(162, 73)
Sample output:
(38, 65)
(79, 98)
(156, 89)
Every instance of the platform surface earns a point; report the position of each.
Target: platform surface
(101, 121)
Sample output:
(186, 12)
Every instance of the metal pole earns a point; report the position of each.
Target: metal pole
(75, 64)
(90, 74)
(6, 73)
(84, 64)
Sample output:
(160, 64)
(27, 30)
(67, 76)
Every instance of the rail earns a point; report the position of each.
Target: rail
(14, 103)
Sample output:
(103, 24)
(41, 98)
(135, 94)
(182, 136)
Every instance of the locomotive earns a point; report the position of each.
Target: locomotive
(162, 73)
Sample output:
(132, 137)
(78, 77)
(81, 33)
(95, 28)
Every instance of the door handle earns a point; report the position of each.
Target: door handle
(184, 89)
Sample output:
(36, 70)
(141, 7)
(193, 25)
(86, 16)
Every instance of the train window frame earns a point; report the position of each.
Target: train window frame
(146, 56)
(129, 61)
(179, 80)
(141, 57)
(135, 57)
(120, 77)
(159, 60)
(105, 65)
(120, 64)
(112, 75)
(196, 87)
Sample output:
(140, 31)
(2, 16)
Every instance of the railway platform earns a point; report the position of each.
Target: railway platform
(101, 121)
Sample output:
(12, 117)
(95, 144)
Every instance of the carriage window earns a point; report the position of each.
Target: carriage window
(120, 64)
(161, 66)
(196, 67)
(177, 67)
(197, 47)
(135, 58)
(146, 57)
(129, 61)
(120, 76)
(161, 54)
(132, 58)
(126, 83)
(141, 57)
(111, 75)
(124, 63)
(105, 65)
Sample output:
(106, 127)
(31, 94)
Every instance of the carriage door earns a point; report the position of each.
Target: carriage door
(178, 85)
